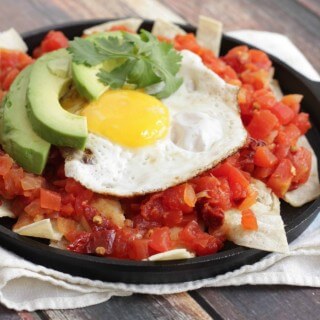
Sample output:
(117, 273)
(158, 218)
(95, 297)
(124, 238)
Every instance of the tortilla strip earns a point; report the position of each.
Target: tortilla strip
(166, 29)
(311, 189)
(5, 210)
(11, 39)
(275, 88)
(176, 254)
(209, 34)
(40, 229)
(271, 235)
(131, 23)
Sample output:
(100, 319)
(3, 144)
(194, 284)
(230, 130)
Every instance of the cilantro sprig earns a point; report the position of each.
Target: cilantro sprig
(145, 61)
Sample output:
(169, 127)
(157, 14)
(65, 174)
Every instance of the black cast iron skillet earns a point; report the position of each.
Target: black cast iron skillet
(232, 257)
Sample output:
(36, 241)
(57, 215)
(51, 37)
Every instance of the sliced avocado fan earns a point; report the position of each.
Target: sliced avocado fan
(17, 136)
(50, 77)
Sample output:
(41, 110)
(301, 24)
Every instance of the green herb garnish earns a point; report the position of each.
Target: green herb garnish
(146, 61)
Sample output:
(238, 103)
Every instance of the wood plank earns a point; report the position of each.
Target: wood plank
(264, 302)
(312, 5)
(138, 307)
(285, 16)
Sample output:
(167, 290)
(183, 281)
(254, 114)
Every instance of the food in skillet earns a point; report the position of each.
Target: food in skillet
(141, 146)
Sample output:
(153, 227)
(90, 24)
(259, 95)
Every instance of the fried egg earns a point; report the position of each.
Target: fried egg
(138, 144)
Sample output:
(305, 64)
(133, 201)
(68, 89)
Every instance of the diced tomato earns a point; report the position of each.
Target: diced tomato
(212, 215)
(139, 249)
(263, 157)
(260, 59)
(181, 197)
(198, 241)
(12, 181)
(262, 173)
(173, 218)
(237, 58)
(54, 40)
(237, 180)
(11, 75)
(286, 138)
(50, 200)
(30, 182)
(292, 101)
(249, 220)
(258, 79)
(249, 201)
(262, 123)
(33, 208)
(187, 42)
(301, 160)
(101, 242)
(281, 178)
(284, 113)
(263, 99)
(302, 122)
(160, 240)
(121, 28)
(6, 163)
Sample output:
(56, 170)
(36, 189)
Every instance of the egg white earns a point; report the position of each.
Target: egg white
(205, 128)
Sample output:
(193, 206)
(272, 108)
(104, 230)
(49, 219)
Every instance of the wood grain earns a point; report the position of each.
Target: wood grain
(138, 307)
(300, 20)
(285, 16)
(263, 302)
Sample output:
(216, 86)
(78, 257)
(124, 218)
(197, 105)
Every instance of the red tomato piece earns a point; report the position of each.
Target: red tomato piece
(54, 40)
(302, 122)
(50, 200)
(301, 159)
(160, 240)
(293, 101)
(263, 157)
(284, 113)
(11, 75)
(249, 220)
(237, 180)
(139, 249)
(173, 218)
(262, 123)
(181, 197)
(281, 178)
(6, 163)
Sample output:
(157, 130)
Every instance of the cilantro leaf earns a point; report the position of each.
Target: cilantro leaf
(147, 61)
(84, 52)
(117, 77)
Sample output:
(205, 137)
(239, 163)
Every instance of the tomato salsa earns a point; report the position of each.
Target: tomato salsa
(189, 215)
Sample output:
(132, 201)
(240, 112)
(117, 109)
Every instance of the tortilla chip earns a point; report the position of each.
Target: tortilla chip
(40, 229)
(166, 29)
(132, 24)
(62, 244)
(11, 39)
(275, 88)
(209, 34)
(311, 189)
(271, 235)
(5, 210)
(176, 254)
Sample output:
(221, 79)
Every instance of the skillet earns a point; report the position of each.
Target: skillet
(230, 258)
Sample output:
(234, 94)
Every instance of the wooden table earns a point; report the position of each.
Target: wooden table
(300, 20)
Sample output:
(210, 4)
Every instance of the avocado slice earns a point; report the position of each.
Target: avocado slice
(17, 136)
(49, 78)
(85, 78)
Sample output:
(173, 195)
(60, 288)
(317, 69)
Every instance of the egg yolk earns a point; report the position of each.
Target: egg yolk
(127, 117)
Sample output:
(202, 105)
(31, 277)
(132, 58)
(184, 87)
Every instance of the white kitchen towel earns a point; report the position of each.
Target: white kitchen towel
(26, 286)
